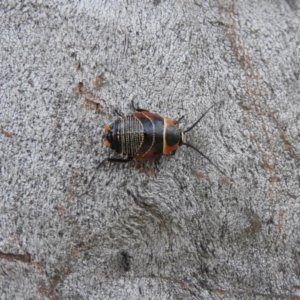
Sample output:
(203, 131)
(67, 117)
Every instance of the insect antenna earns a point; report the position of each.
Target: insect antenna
(190, 128)
(193, 147)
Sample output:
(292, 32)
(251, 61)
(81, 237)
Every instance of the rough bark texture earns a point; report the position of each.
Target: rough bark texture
(185, 232)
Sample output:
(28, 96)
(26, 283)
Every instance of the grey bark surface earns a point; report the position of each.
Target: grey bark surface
(185, 232)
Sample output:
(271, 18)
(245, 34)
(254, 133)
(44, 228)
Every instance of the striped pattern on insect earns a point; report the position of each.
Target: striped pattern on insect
(146, 135)
(143, 135)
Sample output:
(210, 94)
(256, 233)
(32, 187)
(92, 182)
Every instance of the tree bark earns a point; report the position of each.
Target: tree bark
(127, 231)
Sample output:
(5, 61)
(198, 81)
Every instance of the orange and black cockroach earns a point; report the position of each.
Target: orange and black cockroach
(146, 135)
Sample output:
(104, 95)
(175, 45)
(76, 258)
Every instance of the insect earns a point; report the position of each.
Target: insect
(146, 135)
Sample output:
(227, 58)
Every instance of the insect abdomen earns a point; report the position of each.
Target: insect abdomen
(129, 136)
(143, 135)
(153, 126)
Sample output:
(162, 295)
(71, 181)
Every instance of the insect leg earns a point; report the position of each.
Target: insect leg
(124, 160)
(118, 113)
(99, 165)
(177, 121)
(136, 108)
(173, 152)
(156, 161)
(120, 160)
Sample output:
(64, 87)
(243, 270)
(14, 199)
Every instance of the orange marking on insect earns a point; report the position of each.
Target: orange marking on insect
(106, 143)
(106, 128)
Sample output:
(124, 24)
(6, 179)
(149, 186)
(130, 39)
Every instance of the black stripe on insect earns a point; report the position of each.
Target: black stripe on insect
(146, 135)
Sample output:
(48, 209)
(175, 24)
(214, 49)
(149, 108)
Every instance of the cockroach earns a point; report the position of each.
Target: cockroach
(146, 135)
